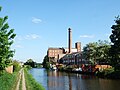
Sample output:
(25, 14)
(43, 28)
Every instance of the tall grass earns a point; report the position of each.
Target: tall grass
(31, 84)
(8, 81)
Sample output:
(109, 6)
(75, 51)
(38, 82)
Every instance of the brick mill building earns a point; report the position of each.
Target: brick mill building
(53, 53)
(58, 54)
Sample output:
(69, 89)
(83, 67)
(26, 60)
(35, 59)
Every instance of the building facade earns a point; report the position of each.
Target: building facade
(53, 53)
(75, 58)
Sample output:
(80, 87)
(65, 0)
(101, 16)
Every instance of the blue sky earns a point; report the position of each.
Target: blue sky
(40, 24)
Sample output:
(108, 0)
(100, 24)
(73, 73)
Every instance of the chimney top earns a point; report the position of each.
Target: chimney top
(69, 29)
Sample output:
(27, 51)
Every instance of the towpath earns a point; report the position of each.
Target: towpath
(21, 77)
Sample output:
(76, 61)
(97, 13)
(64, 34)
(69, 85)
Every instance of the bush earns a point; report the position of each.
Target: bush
(16, 66)
(28, 67)
(109, 73)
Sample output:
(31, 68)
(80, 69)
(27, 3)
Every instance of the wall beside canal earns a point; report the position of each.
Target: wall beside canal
(9, 69)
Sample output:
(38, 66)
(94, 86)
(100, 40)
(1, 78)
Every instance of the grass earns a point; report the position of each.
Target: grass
(8, 81)
(31, 84)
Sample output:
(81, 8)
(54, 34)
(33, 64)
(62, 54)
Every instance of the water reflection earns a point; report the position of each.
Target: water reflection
(53, 80)
(67, 81)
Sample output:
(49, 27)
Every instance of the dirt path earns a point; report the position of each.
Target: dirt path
(18, 83)
(21, 73)
(23, 81)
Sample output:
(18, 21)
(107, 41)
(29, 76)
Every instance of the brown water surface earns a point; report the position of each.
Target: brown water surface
(54, 80)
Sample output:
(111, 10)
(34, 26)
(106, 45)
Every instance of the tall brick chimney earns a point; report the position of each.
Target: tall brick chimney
(69, 40)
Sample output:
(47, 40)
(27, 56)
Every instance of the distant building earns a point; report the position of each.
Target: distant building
(56, 54)
(53, 53)
(75, 58)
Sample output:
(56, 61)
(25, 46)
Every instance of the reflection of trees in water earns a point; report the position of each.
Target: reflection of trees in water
(107, 84)
(69, 81)
(82, 82)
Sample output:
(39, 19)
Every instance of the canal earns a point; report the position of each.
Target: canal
(54, 80)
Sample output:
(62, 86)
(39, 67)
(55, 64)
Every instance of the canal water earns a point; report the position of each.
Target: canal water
(54, 80)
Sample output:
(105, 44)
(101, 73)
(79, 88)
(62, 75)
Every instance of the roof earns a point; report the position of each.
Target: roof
(54, 48)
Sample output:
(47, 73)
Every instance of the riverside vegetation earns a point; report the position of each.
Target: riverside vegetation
(8, 81)
(31, 84)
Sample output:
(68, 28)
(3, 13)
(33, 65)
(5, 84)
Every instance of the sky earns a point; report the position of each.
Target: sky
(40, 24)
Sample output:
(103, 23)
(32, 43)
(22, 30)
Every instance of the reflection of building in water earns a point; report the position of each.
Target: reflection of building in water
(59, 81)
(70, 83)
(55, 80)
(64, 81)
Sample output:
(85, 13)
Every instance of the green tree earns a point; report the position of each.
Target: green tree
(31, 63)
(6, 40)
(89, 52)
(103, 52)
(16, 66)
(97, 51)
(115, 47)
(46, 63)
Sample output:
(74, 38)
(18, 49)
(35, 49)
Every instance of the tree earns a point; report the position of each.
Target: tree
(16, 66)
(89, 51)
(31, 63)
(46, 63)
(103, 52)
(6, 40)
(97, 51)
(115, 47)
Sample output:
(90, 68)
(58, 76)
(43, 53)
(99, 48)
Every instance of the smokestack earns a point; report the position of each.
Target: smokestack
(69, 40)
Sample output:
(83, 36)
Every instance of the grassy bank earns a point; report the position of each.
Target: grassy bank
(31, 84)
(8, 81)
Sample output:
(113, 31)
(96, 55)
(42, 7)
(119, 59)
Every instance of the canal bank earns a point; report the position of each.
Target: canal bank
(31, 83)
(55, 80)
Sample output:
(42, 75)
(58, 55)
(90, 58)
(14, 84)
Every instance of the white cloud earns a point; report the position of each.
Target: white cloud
(19, 38)
(19, 46)
(32, 36)
(36, 20)
(87, 36)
